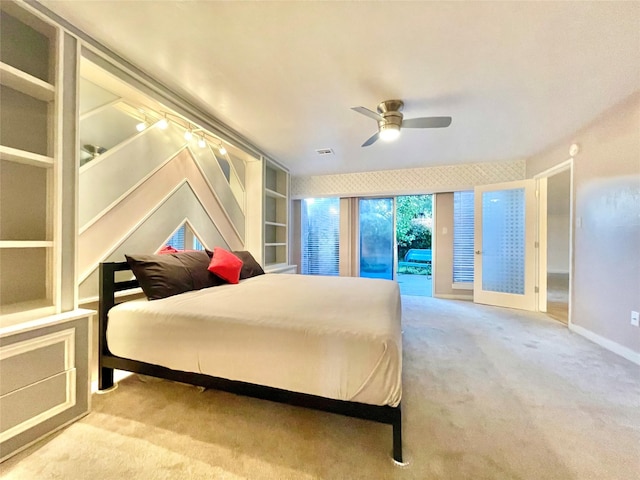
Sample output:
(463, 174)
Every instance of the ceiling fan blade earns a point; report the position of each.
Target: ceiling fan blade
(368, 113)
(371, 140)
(427, 122)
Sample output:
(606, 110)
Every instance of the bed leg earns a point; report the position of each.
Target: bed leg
(105, 378)
(397, 439)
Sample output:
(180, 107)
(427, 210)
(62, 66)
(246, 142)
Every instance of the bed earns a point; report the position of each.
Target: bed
(326, 343)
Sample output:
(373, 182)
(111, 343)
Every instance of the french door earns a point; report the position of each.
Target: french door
(505, 242)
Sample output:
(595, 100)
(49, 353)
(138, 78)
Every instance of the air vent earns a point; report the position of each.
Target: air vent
(324, 151)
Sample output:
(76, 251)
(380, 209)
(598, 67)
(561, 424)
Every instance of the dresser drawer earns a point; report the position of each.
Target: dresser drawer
(29, 406)
(31, 361)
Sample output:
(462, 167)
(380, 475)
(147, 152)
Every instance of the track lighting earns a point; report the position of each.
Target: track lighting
(142, 125)
(191, 131)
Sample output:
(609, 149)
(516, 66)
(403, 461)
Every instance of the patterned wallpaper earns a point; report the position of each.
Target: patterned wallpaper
(408, 181)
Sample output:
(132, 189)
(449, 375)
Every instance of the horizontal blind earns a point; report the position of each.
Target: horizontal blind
(177, 241)
(320, 229)
(463, 237)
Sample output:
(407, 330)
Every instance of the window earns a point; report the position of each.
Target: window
(463, 224)
(185, 239)
(320, 227)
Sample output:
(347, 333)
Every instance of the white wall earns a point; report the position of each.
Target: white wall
(606, 229)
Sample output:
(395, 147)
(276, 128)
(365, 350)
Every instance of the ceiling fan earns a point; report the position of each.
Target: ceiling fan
(389, 118)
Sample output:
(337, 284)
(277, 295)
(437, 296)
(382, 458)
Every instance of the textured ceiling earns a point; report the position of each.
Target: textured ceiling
(516, 77)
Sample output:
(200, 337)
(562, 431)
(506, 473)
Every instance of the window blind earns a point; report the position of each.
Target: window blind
(463, 237)
(177, 241)
(320, 229)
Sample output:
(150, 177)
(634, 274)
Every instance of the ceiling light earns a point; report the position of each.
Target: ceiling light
(389, 132)
(163, 123)
(188, 134)
(142, 125)
(201, 142)
(222, 150)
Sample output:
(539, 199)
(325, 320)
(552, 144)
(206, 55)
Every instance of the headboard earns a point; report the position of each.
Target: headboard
(107, 291)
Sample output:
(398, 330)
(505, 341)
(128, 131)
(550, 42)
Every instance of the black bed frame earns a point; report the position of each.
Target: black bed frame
(108, 362)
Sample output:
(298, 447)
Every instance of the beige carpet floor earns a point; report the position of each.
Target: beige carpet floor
(489, 393)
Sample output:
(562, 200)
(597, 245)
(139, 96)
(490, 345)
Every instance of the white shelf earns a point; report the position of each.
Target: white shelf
(22, 156)
(280, 244)
(274, 194)
(275, 224)
(28, 84)
(16, 314)
(25, 244)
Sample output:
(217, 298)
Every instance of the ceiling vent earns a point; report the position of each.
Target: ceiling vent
(324, 151)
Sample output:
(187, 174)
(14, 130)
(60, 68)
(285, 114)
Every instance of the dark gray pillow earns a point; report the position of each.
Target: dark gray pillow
(165, 275)
(250, 267)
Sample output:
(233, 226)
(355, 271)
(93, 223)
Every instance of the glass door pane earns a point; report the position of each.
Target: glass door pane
(505, 234)
(503, 241)
(376, 238)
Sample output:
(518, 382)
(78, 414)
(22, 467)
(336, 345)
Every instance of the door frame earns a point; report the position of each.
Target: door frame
(541, 179)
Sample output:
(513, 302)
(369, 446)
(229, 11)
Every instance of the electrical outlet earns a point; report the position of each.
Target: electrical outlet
(635, 318)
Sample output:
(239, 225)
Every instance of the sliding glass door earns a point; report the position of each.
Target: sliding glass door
(376, 238)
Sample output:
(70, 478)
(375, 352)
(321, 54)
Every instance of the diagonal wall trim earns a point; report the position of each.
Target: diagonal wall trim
(146, 237)
(100, 108)
(221, 189)
(118, 172)
(115, 150)
(120, 221)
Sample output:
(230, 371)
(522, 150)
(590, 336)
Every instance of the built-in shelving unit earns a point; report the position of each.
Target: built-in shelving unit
(44, 341)
(27, 162)
(268, 215)
(276, 215)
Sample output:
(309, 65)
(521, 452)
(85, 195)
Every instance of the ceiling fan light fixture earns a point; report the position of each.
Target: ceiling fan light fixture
(389, 132)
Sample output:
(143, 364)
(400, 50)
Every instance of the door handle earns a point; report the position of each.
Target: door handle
(478, 252)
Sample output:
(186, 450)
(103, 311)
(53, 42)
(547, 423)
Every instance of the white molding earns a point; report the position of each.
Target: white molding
(133, 188)
(196, 161)
(87, 272)
(610, 345)
(99, 108)
(65, 336)
(70, 401)
(45, 322)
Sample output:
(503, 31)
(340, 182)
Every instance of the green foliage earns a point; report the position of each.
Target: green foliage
(414, 221)
(426, 270)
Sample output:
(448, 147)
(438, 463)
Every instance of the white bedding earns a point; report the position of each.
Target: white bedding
(335, 337)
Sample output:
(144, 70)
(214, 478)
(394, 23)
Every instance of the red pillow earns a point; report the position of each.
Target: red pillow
(225, 265)
(167, 249)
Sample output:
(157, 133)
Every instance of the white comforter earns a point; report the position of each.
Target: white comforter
(335, 337)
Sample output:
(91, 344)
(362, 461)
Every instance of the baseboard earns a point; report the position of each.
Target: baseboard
(606, 343)
(458, 296)
(563, 272)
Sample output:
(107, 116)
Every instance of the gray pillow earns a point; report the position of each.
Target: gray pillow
(250, 267)
(165, 275)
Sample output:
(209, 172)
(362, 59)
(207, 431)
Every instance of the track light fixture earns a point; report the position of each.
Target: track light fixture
(191, 131)
(188, 134)
(142, 125)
